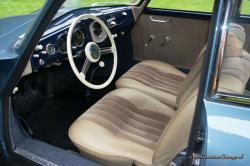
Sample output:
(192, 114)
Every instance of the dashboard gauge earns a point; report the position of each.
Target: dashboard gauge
(62, 44)
(78, 38)
(98, 34)
(50, 49)
(97, 29)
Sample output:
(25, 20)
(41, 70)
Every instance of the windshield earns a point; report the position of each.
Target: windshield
(9, 8)
(89, 3)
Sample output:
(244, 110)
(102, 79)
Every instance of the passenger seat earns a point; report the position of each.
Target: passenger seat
(165, 82)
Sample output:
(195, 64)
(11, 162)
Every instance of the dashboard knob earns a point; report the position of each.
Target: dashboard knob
(15, 90)
(114, 35)
(44, 52)
(39, 47)
(41, 62)
(124, 13)
(101, 64)
(112, 24)
(36, 56)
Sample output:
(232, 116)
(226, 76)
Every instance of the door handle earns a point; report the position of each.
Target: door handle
(160, 21)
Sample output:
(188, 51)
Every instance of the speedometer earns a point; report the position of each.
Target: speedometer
(62, 45)
(98, 34)
(78, 37)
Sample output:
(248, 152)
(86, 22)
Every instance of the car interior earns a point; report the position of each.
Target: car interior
(118, 85)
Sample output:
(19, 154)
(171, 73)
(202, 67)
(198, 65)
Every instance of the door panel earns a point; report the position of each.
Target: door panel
(175, 40)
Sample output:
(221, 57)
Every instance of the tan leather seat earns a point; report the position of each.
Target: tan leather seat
(125, 125)
(129, 126)
(159, 79)
(236, 62)
(156, 78)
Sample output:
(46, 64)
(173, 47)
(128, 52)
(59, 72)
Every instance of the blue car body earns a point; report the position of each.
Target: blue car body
(228, 133)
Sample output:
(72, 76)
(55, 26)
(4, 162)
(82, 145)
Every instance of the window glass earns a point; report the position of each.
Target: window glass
(88, 3)
(10, 8)
(187, 5)
(235, 68)
(245, 7)
(16, 18)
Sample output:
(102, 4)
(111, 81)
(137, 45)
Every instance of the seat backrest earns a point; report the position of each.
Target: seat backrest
(175, 137)
(235, 70)
(191, 82)
(176, 134)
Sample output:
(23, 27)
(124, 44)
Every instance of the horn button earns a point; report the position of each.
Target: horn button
(92, 52)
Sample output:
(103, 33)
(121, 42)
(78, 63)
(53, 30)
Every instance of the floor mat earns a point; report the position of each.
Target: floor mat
(50, 122)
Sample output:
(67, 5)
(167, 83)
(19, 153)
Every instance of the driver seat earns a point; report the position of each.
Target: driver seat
(131, 127)
(128, 127)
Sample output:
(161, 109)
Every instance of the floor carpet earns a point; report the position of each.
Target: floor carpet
(51, 120)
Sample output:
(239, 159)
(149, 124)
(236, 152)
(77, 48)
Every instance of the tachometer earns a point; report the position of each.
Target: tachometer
(98, 34)
(78, 37)
(97, 29)
(62, 44)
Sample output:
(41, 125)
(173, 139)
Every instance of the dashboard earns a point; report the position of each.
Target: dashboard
(52, 48)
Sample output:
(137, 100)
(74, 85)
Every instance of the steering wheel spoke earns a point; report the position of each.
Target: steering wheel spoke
(106, 50)
(86, 66)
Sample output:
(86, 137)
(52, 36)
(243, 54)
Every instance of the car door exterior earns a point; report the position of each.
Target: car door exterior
(227, 113)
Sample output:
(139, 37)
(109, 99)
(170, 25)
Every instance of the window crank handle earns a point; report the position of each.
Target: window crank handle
(167, 39)
(152, 37)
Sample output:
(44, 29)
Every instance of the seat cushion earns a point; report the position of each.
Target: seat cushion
(155, 78)
(122, 128)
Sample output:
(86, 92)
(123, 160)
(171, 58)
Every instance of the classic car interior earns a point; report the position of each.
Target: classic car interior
(119, 84)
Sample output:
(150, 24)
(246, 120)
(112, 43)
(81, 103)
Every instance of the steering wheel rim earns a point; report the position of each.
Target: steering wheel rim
(80, 75)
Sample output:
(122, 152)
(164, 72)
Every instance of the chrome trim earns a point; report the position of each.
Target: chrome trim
(227, 97)
(232, 98)
(33, 157)
(160, 21)
(224, 28)
(52, 46)
(112, 22)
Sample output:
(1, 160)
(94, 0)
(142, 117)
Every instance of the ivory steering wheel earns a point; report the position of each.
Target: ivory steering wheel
(92, 51)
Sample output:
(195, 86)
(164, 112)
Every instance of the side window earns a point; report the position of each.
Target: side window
(185, 5)
(235, 68)
(9, 8)
(245, 7)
